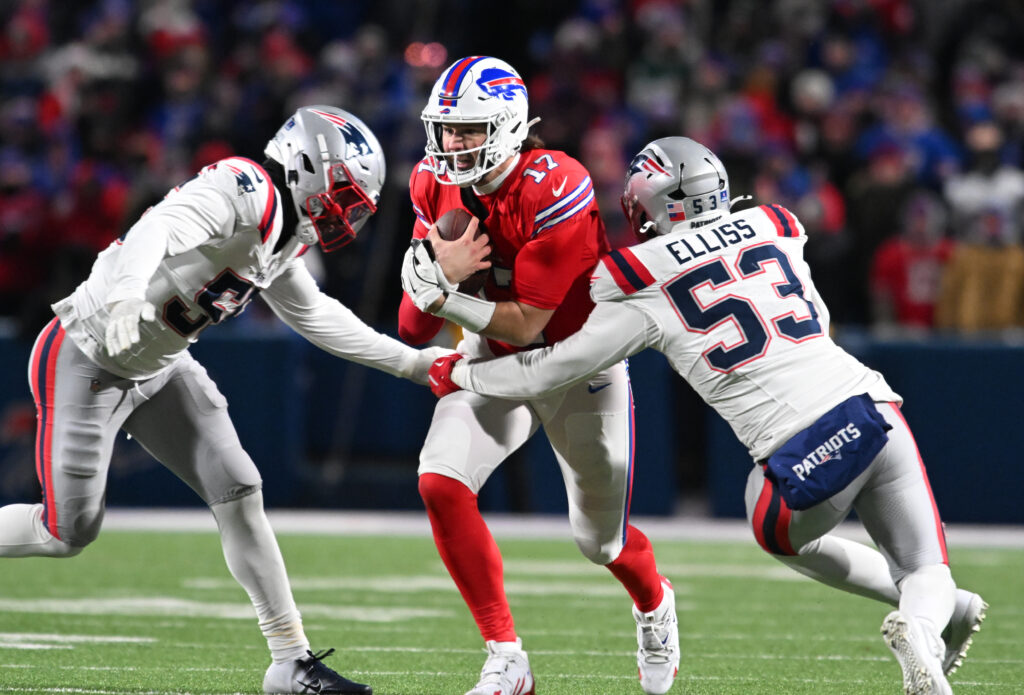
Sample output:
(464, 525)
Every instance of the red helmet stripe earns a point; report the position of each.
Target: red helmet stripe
(454, 79)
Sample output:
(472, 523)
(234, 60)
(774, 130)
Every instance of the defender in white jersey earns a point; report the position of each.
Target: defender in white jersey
(116, 355)
(728, 298)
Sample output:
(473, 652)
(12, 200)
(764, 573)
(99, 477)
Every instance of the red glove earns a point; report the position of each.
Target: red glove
(440, 375)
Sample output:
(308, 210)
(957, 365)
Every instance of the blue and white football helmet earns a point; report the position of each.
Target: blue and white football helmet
(674, 181)
(483, 90)
(334, 167)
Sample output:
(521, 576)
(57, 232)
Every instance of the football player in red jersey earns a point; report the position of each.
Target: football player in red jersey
(728, 298)
(545, 235)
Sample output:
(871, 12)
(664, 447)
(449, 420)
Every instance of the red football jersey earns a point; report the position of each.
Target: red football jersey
(910, 276)
(546, 235)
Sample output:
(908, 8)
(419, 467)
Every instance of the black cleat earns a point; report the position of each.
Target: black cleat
(310, 675)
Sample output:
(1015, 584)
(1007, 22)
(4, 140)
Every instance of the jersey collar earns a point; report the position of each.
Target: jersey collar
(492, 186)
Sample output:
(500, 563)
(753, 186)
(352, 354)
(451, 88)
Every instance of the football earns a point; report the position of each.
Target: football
(451, 226)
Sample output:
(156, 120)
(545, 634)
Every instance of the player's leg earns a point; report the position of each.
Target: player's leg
(78, 411)
(801, 540)
(899, 512)
(590, 427)
(184, 424)
(469, 437)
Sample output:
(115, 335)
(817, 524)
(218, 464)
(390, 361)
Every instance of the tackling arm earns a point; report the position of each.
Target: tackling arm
(612, 332)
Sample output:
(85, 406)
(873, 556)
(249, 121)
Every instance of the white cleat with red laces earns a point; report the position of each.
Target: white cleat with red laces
(506, 671)
(657, 636)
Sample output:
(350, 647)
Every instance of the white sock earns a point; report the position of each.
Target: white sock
(22, 534)
(929, 596)
(254, 559)
(846, 565)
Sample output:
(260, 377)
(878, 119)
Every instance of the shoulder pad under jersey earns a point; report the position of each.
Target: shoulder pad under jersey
(248, 186)
(785, 222)
(619, 274)
(559, 190)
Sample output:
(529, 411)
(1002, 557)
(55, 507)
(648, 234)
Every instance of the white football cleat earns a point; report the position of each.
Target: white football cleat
(920, 655)
(506, 671)
(967, 616)
(657, 637)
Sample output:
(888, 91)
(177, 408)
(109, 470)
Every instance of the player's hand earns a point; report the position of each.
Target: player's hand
(458, 259)
(425, 358)
(440, 375)
(123, 325)
(422, 278)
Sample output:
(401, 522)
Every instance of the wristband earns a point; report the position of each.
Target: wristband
(472, 313)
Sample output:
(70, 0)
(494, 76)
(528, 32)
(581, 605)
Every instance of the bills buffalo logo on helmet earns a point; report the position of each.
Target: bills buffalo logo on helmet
(644, 163)
(500, 83)
(353, 137)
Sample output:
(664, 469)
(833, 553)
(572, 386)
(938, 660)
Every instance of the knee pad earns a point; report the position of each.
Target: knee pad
(79, 527)
(597, 552)
(246, 510)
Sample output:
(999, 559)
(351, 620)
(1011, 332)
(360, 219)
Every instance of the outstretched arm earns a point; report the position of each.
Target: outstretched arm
(331, 326)
(613, 332)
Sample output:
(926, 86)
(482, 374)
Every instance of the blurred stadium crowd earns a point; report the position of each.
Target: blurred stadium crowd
(893, 128)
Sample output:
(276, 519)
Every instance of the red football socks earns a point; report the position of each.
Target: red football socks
(469, 552)
(636, 569)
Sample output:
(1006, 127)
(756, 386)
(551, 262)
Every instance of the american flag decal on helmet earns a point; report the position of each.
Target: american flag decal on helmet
(676, 211)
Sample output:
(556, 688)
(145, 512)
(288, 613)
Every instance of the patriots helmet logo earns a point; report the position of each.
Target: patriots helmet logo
(353, 136)
(501, 83)
(645, 163)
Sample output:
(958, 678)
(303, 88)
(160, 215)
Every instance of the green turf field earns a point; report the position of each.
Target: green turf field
(150, 612)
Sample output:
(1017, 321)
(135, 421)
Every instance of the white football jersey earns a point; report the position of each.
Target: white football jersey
(732, 307)
(199, 256)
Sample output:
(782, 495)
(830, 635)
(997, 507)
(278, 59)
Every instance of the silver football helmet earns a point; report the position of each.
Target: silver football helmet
(479, 90)
(671, 181)
(334, 167)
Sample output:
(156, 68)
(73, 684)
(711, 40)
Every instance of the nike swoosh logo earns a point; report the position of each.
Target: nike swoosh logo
(595, 389)
(312, 686)
(256, 174)
(558, 191)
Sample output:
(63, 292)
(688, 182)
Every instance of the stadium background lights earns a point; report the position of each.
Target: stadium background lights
(431, 55)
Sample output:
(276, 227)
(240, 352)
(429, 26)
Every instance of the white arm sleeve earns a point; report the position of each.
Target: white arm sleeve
(295, 298)
(187, 219)
(613, 332)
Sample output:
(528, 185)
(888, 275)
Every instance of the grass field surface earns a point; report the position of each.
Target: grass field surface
(148, 611)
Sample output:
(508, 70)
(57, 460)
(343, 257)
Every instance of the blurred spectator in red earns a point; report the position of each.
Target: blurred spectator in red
(907, 270)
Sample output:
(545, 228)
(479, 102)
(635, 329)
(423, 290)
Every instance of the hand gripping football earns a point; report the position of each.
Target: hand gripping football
(451, 226)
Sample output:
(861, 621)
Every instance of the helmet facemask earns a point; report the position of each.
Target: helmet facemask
(334, 170)
(338, 215)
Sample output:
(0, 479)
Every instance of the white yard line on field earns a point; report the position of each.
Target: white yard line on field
(398, 523)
